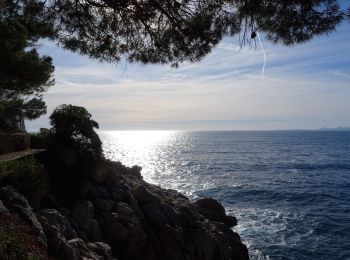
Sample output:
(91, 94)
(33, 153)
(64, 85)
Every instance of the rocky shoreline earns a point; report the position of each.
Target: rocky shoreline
(117, 215)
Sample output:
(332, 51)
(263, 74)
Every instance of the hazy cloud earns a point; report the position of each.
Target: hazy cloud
(304, 87)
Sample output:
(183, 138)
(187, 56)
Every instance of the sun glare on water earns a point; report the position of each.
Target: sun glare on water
(136, 147)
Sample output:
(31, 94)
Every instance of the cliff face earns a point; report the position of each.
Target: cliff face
(119, 216)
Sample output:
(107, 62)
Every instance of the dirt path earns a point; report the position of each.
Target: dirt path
(20, 154)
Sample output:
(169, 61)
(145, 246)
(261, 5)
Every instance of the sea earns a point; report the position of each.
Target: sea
(289, 190)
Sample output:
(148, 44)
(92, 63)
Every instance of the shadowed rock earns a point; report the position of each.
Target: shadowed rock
(213, 210)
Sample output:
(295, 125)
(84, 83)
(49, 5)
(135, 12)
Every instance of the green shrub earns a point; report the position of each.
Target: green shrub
(25, 175)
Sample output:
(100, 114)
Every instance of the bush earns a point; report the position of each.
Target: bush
(25, 175)
(40, 140)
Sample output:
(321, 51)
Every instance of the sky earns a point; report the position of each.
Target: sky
(304, 87)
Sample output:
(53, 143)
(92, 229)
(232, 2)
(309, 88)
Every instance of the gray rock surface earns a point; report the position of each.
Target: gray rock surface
(3, 209)
(55, 218)
(19, 204)
(213, 210)
(82, 214)
(117, 215)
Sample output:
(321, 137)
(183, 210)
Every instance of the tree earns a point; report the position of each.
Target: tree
(146, 31)
(24, 74)
(73, 131)
(174, 31)
(74, 148)
(14, 110)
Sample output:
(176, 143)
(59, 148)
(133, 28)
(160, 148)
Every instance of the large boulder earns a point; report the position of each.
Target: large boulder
(214, 211)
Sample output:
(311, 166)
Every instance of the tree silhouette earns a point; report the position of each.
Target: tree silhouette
(146, 31)
(24, 74)
(174, 31)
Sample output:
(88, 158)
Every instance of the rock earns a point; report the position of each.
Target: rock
(101, 249)
(68, 252)
(102, 192)
(3, 209)
(154, 215)
(136, 172)
(10, 195)
(131, 218)
(214, 211)
(82, 214)
(82, 250)
(124, 234)
(144, 195)
(19, 204)
(123, 209)
(56, 243)
(97, 176)
(55, 218)
(49, 202)
(105, 173)
(103, 205)
(94, 231)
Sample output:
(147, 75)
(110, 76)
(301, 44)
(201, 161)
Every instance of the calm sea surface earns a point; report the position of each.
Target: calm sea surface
(290, 190)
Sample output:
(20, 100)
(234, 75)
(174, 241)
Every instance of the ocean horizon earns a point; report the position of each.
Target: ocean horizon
(288, 189)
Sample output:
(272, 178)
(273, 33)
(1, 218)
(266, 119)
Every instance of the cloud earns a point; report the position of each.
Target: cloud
(340, 74)
(304, 86)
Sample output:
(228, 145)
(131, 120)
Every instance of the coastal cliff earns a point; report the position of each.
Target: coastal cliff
(115, 214)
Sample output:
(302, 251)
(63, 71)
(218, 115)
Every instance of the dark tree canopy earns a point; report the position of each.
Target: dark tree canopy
(173, 31)
(73, 126)
(24, 74)
(22, 70)
(146, 31)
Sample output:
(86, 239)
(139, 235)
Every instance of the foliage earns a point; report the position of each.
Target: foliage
(74, 147)
(41, 139)
(16, 241)
(173, 31)
(74, 124)
(25, 175)
(12, 109)
(24, 74)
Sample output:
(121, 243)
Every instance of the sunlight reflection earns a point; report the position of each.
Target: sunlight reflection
(141, 139)
(144, 148)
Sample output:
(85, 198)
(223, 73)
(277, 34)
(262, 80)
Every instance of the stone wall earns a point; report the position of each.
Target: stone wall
(14, 142)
